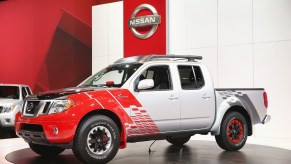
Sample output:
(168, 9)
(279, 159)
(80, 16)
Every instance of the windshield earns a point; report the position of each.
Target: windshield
(114, 76)
(9, 92)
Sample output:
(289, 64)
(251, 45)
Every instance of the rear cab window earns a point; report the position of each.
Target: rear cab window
(191, 77)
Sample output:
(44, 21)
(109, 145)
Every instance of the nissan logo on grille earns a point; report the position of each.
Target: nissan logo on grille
(29, 107)
(148, 20)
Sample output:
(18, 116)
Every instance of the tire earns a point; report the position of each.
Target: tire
(233, 132)
(96, 140)
(46, 151)
(178, 141)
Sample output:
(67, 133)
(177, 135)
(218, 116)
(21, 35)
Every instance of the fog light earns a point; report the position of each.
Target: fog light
(56, 130)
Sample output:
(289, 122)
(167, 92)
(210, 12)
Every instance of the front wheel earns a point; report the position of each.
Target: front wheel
(233, 132)
(96, 140)
(46, 151)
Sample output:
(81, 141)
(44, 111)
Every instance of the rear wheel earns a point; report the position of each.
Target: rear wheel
(96, 140)
(44, 150)
(233, 132)
(178, 141)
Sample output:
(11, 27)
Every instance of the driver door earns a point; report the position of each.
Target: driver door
(162, 100)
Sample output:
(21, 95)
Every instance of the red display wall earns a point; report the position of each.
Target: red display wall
(46, 43)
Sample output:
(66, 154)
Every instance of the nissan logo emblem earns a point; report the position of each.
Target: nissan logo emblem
(148, 20)
(30, 106)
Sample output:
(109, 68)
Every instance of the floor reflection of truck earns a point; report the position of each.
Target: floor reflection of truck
(137, 99)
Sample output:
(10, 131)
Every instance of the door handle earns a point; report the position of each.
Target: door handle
(172, 97)
(205, 97)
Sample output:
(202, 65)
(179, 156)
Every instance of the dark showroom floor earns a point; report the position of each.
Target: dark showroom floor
(15, 150)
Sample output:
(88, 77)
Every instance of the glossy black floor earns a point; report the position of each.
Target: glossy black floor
(204, 152)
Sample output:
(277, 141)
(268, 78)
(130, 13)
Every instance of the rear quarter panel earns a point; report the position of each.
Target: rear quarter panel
(251, 100)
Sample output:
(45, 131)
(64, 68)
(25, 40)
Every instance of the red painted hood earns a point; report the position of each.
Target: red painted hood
(64, 92)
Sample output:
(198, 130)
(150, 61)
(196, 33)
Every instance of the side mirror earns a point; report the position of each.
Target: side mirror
(145, 84)
(109, 83)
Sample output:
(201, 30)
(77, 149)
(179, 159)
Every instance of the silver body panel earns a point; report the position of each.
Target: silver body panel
(194, 110)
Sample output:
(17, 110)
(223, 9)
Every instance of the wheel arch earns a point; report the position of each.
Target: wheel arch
(237, 108)
(114, 117)
(246, 115)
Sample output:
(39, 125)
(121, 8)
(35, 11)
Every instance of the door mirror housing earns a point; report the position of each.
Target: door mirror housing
(145, 84)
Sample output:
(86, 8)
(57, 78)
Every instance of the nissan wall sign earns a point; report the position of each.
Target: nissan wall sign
(148, 20)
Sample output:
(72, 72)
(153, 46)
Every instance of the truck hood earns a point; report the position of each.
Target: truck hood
(7, 102)
(64, 92)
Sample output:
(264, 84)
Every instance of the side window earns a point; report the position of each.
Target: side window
(160, 75)
(199, 77)
(24, 93)
(191, 77)
(28, 91)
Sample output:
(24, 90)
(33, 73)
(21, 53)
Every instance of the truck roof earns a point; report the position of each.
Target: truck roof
(164, 58)
(22, 85)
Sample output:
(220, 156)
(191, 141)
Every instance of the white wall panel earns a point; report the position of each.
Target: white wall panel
(107, 30)
(272, 20)
(273, 71)
(209, 59)
(178, 52)
(113, 58)
(99, 62)
(234, 22)
(115, 27)
(201, 18)
(235, 66)
(100, 30)
(177, 25)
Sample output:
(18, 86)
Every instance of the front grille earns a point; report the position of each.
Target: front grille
(46, 108)
(33, 108)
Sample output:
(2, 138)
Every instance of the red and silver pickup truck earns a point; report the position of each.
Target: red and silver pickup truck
(137, 99)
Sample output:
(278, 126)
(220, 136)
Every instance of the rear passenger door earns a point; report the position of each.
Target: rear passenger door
(197, 98)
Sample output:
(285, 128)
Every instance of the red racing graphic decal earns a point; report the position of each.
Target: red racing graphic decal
(125, 98)
(143, 124)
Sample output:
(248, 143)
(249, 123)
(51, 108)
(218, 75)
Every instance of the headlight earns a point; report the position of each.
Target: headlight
(61, 106)
(7, 109)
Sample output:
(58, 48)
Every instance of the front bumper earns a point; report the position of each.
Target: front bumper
(7, 120)
(40, 138)
(267, 119)
(33, 137)
(46, 130)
